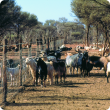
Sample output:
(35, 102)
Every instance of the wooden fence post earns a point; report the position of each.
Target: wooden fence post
(4, 71)
(37, 50)
(29, 52)
(54, 43)
(38, 42)
(29, 48)
(43, 41)
(48, 42)
(41, 46)
(37, 47)
(2, 74)
(20, 54)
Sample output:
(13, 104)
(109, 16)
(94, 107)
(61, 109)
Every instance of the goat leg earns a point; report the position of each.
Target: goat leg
(41, 83)
(44, 83)
(107, 80)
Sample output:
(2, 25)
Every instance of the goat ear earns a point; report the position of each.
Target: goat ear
(40, 59)
(91, 62)
(37, 59)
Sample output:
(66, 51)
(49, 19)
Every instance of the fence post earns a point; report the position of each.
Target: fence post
(29, 48)
(41, 46)
(4, 71)
(43, 41)
(29, 52)
(37, 47)
(20, 54)
(39, 43)
(48, 42)
(54, 43)
(37, 50)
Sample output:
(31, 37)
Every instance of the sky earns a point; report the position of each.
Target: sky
(48, 9)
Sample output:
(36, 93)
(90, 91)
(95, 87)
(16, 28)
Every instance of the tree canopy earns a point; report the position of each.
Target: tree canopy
(92, 13)
(27, 25)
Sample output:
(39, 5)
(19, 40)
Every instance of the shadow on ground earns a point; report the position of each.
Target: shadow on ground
(30, 104)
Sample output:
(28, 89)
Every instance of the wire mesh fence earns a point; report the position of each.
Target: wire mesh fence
(13, 70)
(13, 76)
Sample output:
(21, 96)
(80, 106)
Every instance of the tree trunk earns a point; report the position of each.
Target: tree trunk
(17, 42)
(105, 40)
(97, 35)
(4, 71)
(87, 35)
(109, 41)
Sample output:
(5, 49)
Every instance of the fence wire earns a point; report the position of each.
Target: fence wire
(12, 62)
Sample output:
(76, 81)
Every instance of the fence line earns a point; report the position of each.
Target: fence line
(33, 42)
(7, 87)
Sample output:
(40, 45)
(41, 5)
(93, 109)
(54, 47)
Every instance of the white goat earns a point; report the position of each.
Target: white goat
(108, 70)
(13, 72)
(50, 71)
(32, 66)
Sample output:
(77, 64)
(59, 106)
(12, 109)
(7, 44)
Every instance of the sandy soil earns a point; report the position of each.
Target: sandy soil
(78, 93)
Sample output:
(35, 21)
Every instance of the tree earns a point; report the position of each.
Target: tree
(101, 16)
(82, 9)
(8, 14)
(50, 23)
(102, 3)
(67, 29)
(63, 20)
(92, 12)
(25, 23)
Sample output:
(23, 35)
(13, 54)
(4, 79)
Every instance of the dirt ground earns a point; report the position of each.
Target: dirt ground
(77, 93)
